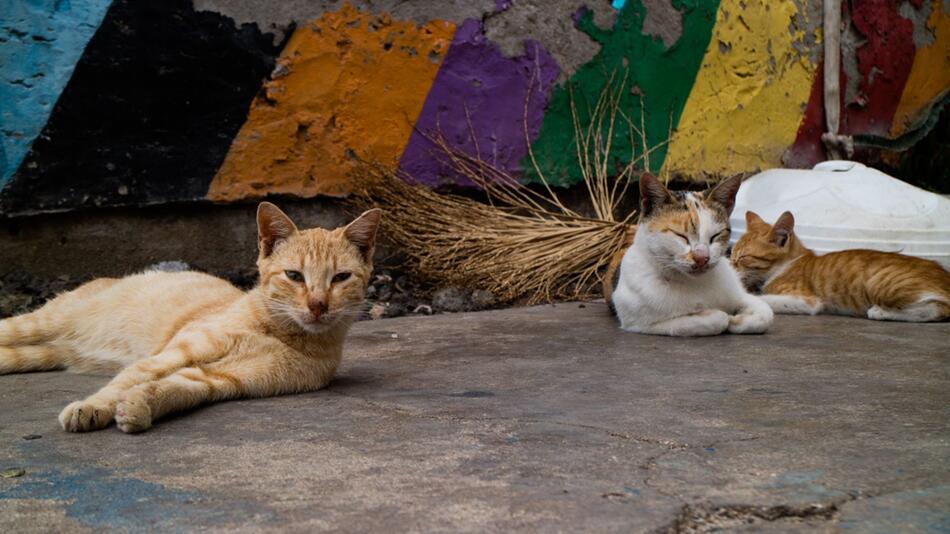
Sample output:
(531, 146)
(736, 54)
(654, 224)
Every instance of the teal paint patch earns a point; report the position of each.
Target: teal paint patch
(99, 499)
(40, 43)
(618, 4)
(662, 76)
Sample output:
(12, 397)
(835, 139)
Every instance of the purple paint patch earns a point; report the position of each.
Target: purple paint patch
(476, 77)
(502, 5)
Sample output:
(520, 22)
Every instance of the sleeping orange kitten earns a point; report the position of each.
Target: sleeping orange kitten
(186, 338)
(878, 285)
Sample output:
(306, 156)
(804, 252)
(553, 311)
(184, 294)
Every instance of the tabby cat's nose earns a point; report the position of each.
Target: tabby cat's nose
(317, 307)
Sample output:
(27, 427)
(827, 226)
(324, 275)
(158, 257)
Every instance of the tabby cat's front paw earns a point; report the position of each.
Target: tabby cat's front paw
(133, 413)
(86, 415)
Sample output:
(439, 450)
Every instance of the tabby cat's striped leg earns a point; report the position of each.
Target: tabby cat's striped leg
(97, 410)
(923, 311)
(182, 390)
(27, 358)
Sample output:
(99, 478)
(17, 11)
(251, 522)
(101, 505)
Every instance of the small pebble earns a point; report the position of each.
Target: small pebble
(32, 436)
(395, 336)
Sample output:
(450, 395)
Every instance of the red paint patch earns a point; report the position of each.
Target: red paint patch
(807, 150)
(884, 62)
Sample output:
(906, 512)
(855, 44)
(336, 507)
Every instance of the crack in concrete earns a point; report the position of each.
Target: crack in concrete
(671, 445)
(694, 518)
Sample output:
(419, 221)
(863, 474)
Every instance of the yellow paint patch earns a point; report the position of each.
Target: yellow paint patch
(929, 76)
(750, 93)
(349, 84)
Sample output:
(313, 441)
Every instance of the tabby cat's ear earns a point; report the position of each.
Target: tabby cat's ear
(783, 228)
(752, 219)
(362, 232)
(273, 226)
(724, 194)
(653, 194)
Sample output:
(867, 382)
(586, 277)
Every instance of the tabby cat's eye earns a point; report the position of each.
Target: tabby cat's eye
(295, 276)
(715, 237)
(341, 277)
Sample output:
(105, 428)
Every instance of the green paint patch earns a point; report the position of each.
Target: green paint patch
(656, 81)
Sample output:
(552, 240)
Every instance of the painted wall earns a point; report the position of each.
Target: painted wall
(40, 43)
(228, 100)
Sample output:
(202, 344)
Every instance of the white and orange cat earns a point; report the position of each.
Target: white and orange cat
(184, 339)
(864, 283)
(673, 279)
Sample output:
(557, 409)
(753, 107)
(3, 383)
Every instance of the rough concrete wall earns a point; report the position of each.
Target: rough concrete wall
(655, 79)
(755, 80)
(710, 87)
(278, 17)
(148, 114)
(40, 43)
(348, 85)
(895, 77)
(480, 102)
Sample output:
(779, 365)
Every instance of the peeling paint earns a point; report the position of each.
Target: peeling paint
(661, 75)
(748, 100)
(929, 76)
(479, 93)
(278, 17)
(884, 62)
(549, 23)
(354, 85)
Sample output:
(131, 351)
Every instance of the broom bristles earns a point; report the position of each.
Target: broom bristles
(522, 244)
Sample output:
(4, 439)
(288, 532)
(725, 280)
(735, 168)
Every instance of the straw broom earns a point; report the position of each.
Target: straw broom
(523, 244)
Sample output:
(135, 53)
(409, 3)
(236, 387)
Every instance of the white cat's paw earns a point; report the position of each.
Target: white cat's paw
(86, 415)
(133, 413)
(749, 323)
(877, 313)
(710, 323)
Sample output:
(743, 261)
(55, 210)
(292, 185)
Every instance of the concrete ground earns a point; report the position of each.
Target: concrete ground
(539, 419)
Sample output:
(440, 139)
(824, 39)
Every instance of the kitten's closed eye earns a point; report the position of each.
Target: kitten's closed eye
(341, 277)
(295, 276)
(679, 235)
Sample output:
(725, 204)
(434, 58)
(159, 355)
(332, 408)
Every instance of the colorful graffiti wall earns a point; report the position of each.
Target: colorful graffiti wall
(125, 103)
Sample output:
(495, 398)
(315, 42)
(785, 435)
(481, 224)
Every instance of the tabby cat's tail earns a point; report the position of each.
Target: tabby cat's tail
(27, 329)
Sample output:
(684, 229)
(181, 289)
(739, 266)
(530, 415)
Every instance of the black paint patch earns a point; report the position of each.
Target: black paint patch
(149, 113)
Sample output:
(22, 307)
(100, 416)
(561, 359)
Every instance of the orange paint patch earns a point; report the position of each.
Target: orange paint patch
(929, 76)
(348, 85)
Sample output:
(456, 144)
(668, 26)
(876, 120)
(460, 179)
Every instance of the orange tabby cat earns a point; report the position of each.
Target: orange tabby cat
(186, 338)
(879, 285)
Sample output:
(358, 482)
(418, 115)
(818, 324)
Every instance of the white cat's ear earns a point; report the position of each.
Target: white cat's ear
(273, 226)
(783, 228)
(653, 194)
(362, 232)
(724, 194)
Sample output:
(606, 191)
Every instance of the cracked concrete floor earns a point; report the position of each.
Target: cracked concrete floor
(544, 418)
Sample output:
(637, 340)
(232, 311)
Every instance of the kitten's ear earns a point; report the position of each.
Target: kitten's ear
(362, 232)
(653, 194)
(752, 219)
(724, 194)
(783, 228)
(273, 226)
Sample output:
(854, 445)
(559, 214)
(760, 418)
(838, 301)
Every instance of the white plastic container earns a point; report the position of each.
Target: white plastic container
(842, 205)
